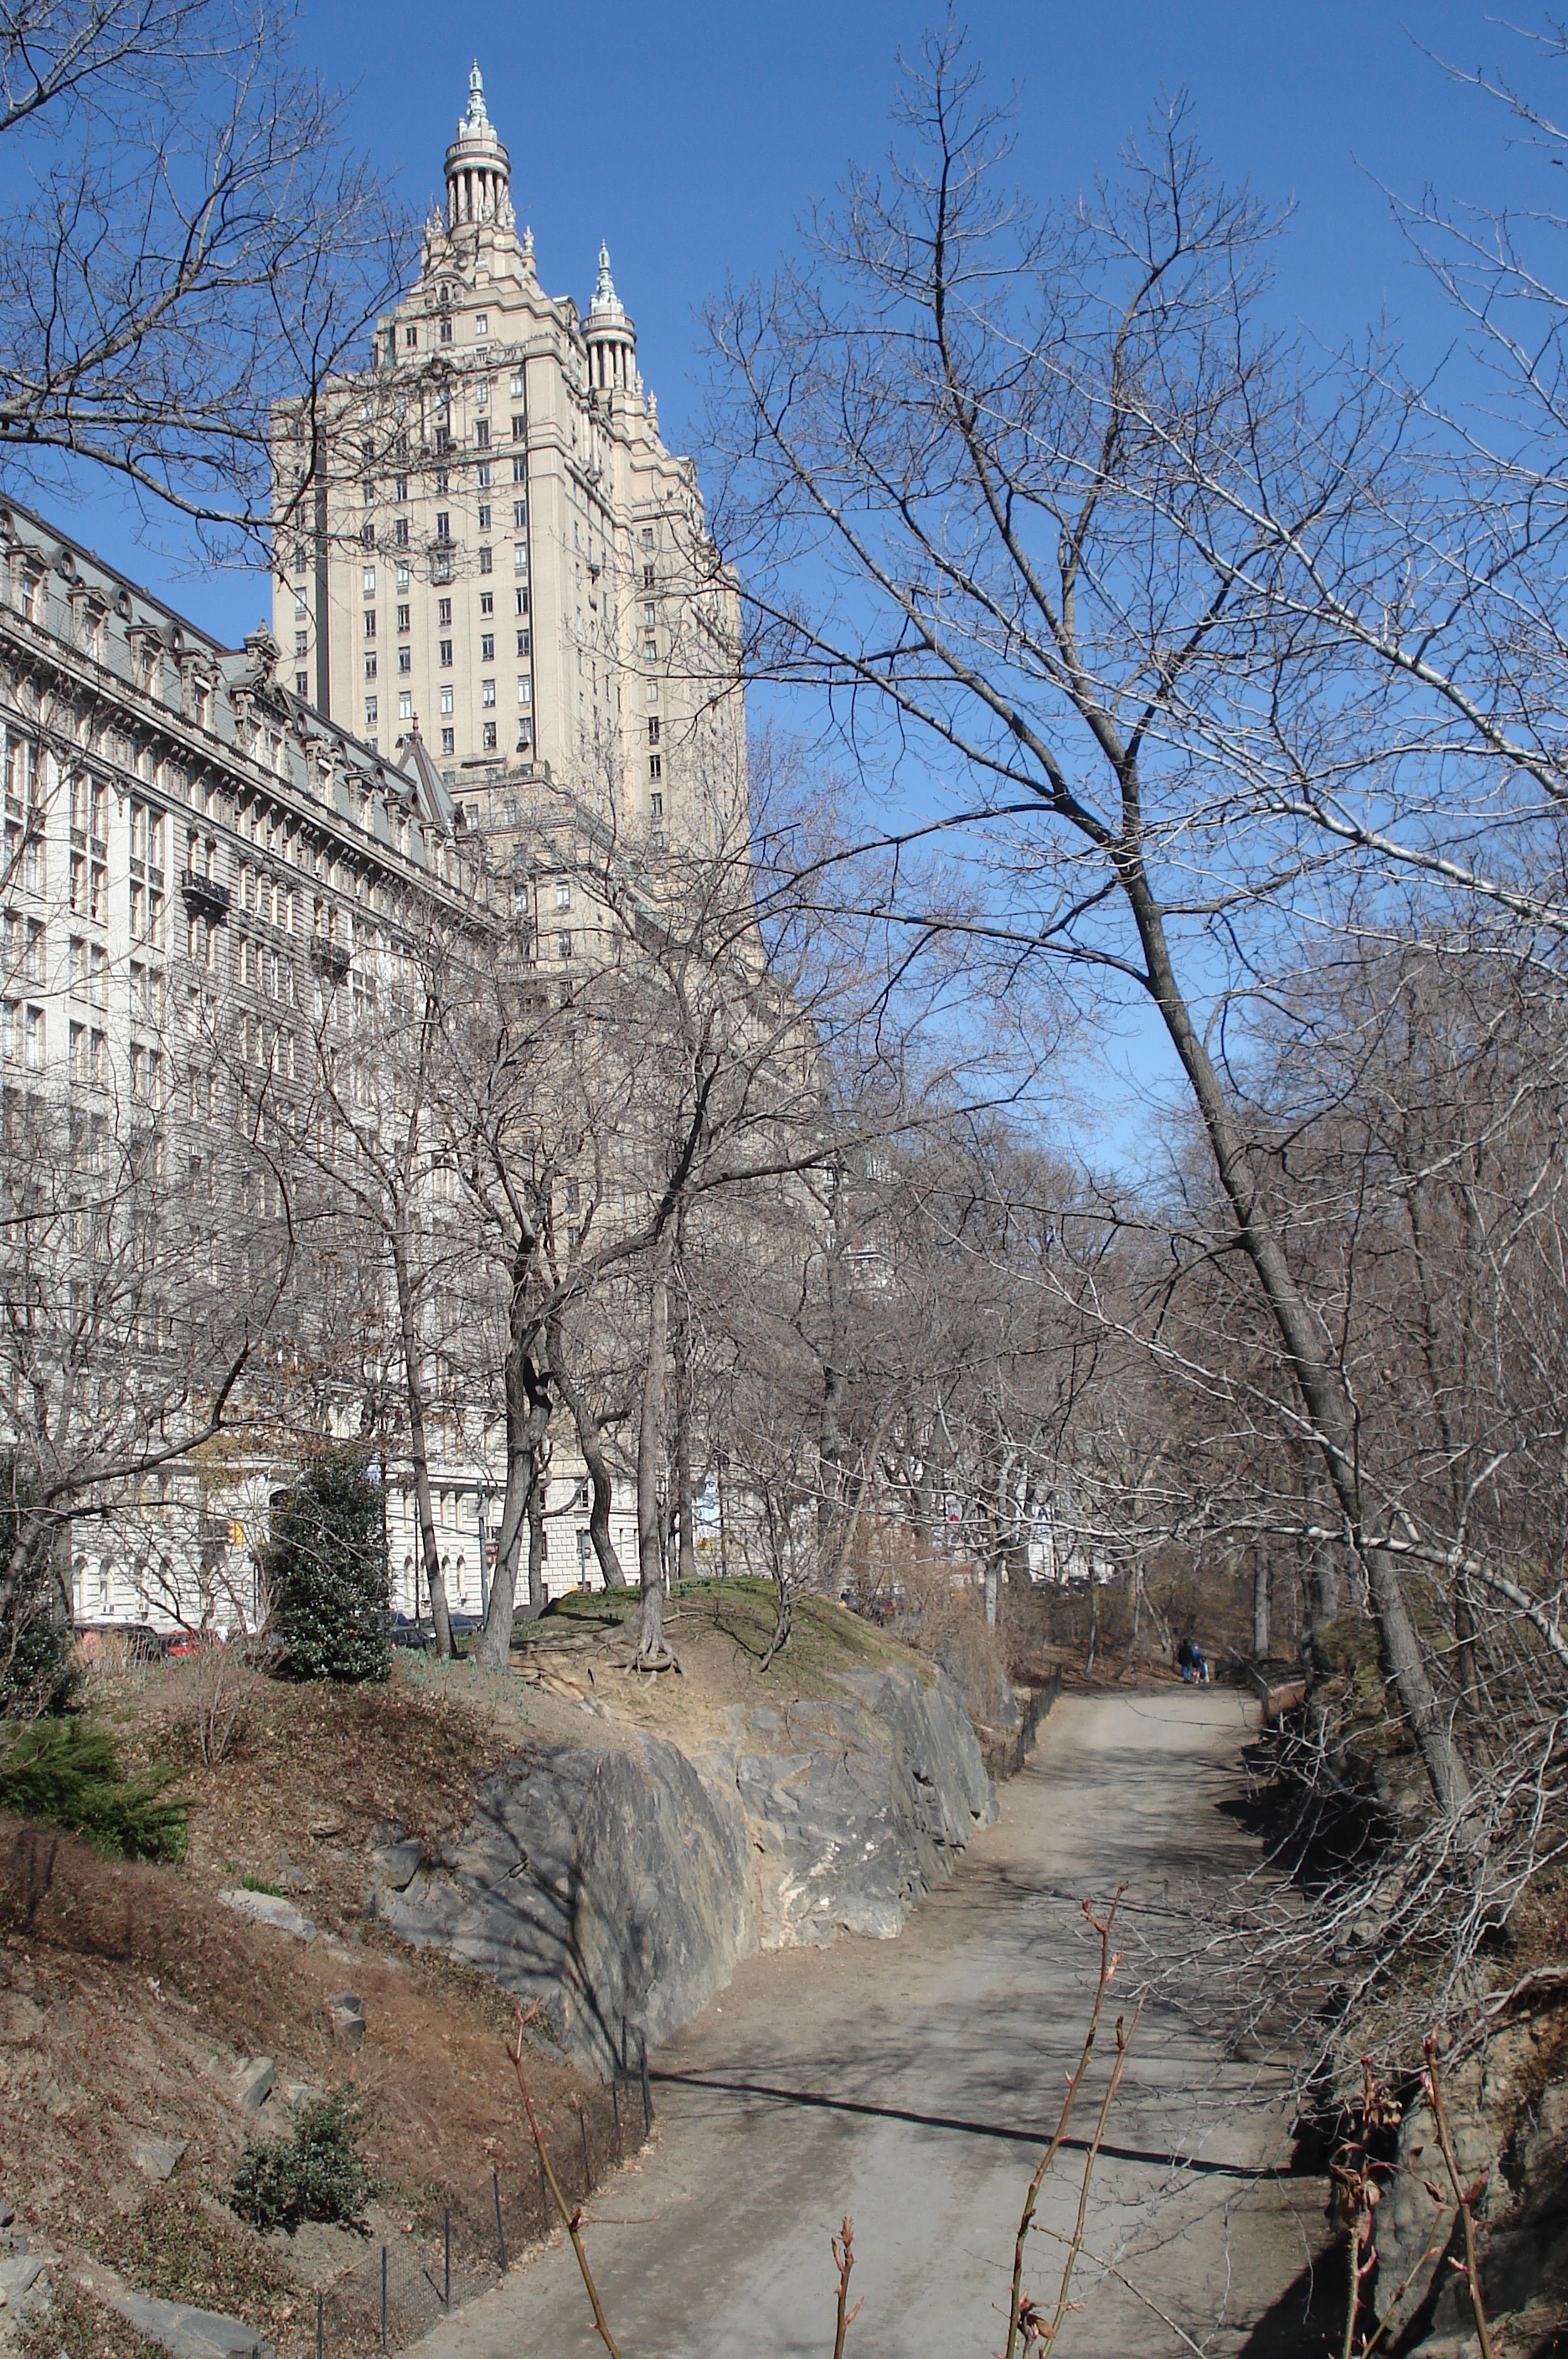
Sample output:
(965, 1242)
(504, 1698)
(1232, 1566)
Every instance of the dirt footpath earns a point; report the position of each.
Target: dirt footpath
(908, 2082)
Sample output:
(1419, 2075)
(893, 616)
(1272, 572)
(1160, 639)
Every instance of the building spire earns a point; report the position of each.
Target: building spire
(605, 292)
(478, 170)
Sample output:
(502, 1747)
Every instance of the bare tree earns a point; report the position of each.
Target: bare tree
(1029, 451)
(191, 240)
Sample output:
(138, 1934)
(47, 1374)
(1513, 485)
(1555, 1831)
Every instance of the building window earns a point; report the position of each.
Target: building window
(520, 429)
(520, 515)
(443, 614)
(489, 737)
(410, 340)
(654, 766)
(369, 585)
(449, 741)
(647, 536)
(520, 472)
(446, 332)
(563, 895)
(302, 684)
(524, 690)
(522, 601)
(406, 704)
(655, 808)
(519, 556)
(487, 647)
(563, 943)
(402, 584)
(370, 713)
(482, 434)
(653, 728)
(446, 653)
(370, 667)
(522, 642)
(482, 328)
(400, 487)
(301, 607)
(402, 619)
(650, 650)
(484, 560)
(441, 483)
(446, 703)
(367, 536)
(405, 659)
(370, 622)
(400, 532)
(443, 524)
(442, 570)
(487, 691)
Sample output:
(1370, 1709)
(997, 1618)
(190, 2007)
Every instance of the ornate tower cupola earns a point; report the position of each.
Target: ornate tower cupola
(610, 335)
(478, 168)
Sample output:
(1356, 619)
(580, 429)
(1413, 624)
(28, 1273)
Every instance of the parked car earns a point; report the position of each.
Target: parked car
(404, 1631)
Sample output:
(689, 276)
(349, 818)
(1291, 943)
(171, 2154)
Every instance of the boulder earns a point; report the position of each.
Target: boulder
(269, 1908)
(188, 2334)
(156, 2158)
(19, 2272)
(396, 1864)
(251, 2085)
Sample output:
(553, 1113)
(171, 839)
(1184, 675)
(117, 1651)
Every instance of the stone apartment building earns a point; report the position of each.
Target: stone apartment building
(201, 873)
(484, 535)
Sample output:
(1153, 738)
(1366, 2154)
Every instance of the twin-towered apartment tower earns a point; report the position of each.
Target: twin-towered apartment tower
(483, 538)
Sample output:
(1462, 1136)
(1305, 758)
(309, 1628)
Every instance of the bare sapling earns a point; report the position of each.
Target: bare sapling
(570, 2215)
(1027, 2318)
(1465, 2197)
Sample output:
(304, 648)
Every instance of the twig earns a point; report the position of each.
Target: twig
(843, 2247)
(571, 2218)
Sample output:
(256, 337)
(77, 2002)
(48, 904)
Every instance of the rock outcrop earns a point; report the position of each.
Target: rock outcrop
(855, 1807)
(611, 1882)
(623, 1883)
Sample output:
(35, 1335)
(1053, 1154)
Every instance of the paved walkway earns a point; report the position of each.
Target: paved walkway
(909, 2083)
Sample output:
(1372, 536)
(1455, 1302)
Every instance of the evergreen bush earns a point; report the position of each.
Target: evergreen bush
(315, 2175)
(36, 1671)
(326, 1566)
(68, 1771)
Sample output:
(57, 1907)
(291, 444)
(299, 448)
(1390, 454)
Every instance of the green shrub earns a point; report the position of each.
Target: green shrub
(68, 1771)
(315, 2175)
(260, 1884)
(326, 1564)
(36, 1672)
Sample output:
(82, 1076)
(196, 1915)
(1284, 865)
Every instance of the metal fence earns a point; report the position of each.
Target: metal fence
(401, 2288)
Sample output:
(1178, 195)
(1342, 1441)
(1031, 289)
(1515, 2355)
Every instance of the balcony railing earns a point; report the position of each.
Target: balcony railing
(204, 896)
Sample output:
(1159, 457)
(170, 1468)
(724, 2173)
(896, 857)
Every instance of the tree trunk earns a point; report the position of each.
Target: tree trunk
(591, 1443)
(650, 1551)
(681, 1333)
(417, 1453)
(991, 1586)
(1322, 1564)
(538, 1597)
(830, 1441)
(1262, 1576)
(1321, 1394)
(527, 1419)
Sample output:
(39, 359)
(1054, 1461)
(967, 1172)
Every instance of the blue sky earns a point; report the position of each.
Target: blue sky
(692, 136)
